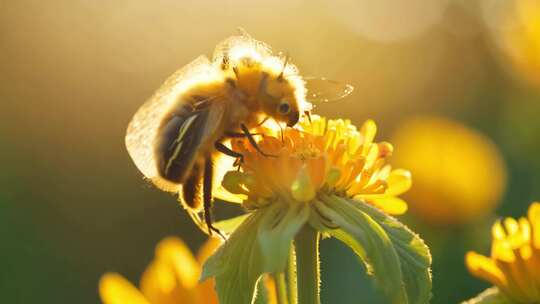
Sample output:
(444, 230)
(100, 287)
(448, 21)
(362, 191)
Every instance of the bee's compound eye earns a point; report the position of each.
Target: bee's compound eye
(284, 108)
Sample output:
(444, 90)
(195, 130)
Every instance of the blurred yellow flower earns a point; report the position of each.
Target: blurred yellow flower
(172, 277)
(521, 38)
(514, 265)
(459, 173)
(328, 156)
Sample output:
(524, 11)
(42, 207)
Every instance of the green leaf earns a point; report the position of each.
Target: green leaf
(398, 247)
(260, 244)
(277, 230)
(369, 241)
(489, 296)
(237, 264)
(414, 255)
(229, 225)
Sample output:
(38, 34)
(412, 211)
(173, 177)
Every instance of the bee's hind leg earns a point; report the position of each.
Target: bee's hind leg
(207, 197)
(253, 142)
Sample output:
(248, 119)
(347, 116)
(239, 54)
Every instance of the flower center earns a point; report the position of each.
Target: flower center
(321, 155)
(307, 154)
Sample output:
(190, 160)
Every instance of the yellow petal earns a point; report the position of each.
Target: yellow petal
(534, 219)
(497, 231)
(159, 283)
(207, 293)
(501, 248)
(511, 226)
(399, 182)
(177, 254)
(385, 149)
(173, 275)
(372, 155)
(388, 204)
(485, 268)
(317, 171)
(115, 289)
(368, 130)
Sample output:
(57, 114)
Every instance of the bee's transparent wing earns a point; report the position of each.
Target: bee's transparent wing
(321, 90)
(144, 125)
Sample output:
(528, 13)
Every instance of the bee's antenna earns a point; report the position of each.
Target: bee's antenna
(263, 121)
(280, 76)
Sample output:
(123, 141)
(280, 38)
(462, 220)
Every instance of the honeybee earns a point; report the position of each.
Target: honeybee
(177, 134)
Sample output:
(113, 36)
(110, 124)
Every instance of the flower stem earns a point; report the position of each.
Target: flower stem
(291, 276)
(307, 265)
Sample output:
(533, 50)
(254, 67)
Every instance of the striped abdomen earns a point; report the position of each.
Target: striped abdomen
(178, 142)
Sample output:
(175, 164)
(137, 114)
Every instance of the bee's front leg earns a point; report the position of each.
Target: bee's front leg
(253, 142)
(225, 150)
(240, 135)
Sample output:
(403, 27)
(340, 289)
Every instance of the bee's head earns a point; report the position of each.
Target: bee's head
(271, 81)
(279, 99)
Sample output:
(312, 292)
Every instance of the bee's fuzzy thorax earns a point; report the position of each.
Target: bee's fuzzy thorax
(248, 61)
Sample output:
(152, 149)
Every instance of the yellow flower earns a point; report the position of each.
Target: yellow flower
(521, 38)
(325, 177)
(322, 156)
(514, 265)
(459, 174)
(172, 277)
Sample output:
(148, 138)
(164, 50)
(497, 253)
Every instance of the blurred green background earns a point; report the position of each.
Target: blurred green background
(72, 73)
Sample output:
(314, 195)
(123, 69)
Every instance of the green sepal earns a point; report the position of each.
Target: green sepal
(259, 244)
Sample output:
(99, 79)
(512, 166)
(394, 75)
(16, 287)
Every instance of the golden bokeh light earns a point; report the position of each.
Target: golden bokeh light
(458, 173)
(387, 20)
(515, 28)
